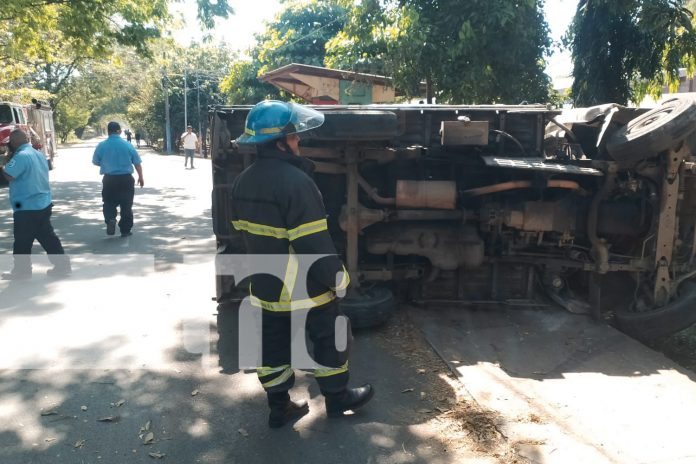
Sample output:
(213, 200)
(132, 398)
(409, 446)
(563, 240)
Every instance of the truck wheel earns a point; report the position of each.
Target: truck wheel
(655, 131)
(356, 125)
(667, 320)
(368, 308)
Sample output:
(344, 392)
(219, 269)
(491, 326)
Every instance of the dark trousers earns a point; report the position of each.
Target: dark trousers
(119, 190)
(36, 225)
(321, 331)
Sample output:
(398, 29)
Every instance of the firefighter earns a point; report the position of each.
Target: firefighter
(278, 209)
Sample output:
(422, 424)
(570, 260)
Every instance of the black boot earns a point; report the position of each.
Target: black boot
(284, 410)
(348, 400)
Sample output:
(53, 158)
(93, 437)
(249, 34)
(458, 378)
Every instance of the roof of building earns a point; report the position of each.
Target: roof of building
(284, 73)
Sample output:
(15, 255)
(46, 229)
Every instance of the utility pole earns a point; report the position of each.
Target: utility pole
(167, 125)
(185, 103)
(201, 135)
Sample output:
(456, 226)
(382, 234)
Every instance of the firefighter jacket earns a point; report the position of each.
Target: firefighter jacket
(279, 211)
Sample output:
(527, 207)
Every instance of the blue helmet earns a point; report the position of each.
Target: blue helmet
(271, 119)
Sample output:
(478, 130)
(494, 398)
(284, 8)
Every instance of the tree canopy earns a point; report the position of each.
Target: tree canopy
(478, 51)
(623, 49)
(49, 39)
(298, 34)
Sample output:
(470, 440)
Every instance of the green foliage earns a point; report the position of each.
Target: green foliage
(298, 34)
(95, 58)
(624, 49)
(56, 37)
(242, 86)
(478, 51)
(363, 44)
(24, 95)
(72, 113)
(205, 67)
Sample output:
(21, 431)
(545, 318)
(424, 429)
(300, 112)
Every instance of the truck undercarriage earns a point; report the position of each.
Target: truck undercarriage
(521, 205)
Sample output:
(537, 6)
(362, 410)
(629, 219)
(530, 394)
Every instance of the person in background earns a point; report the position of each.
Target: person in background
(137, 139)
(116, 159)
(30, 196)
(190, 142)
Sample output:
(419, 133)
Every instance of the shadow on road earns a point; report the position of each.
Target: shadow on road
(161, 227)
(199, 416)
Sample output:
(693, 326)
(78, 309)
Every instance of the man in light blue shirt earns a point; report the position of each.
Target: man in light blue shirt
(30, 196)
(116, 159)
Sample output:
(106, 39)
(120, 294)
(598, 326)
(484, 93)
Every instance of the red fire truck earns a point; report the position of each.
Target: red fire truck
(36, 119)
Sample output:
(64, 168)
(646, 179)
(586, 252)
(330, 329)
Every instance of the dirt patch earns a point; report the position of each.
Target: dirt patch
(448, 409)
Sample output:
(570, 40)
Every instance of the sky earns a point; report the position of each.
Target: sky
(238, 31)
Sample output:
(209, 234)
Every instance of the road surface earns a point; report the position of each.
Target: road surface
(133, 339)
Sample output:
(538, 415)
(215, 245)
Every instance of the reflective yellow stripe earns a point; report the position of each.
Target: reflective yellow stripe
(328, 372)
(280, 379)
(308, 229)
(260, 229)
(248, 131)
(279, 232)
(285, 306)
(270, 130)
(345, 281)
(264, 371)
(290, 277)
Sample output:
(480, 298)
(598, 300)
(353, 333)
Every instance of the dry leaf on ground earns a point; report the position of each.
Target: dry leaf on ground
(79, 444)
(148, 438)
(156, 455)
(243, 432)
(145, 427)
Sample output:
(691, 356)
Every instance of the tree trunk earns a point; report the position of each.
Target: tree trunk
(429, 91)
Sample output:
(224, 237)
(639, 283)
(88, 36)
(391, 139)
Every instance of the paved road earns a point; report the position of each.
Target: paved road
(134, 338)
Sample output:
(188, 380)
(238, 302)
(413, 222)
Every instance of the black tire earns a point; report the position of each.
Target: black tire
(356, 125)
(368, 308)
(657, 130)
(667, 320)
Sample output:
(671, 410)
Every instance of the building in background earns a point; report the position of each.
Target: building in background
(325, 86)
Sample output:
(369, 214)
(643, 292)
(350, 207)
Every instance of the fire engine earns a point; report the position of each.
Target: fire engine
(36, 119)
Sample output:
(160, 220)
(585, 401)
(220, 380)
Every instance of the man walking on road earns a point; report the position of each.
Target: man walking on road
(30, 196)
(116, 159)
(190, 142)
(279, 210)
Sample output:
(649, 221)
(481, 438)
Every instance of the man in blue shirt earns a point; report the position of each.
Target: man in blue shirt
(116, 159)
(30, 196)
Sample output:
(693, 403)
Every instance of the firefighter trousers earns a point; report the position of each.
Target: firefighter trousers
(277, 375)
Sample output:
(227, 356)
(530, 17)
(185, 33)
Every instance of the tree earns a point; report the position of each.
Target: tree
(298, 34)
(623, 49)
(243, 87)
(58, 36)
(478, 51)
(204, 66)
(73, 113)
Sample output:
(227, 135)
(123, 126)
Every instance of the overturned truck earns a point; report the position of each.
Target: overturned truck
(594, 210)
